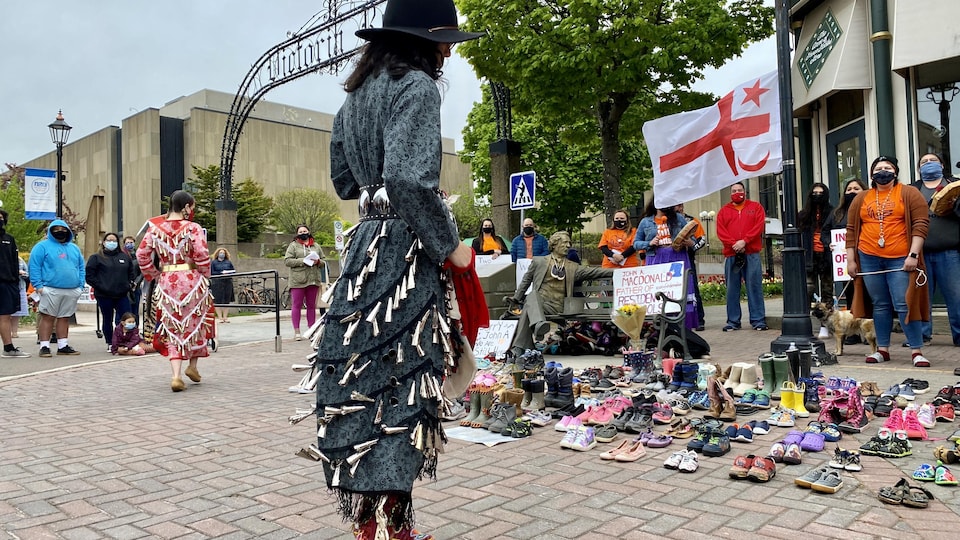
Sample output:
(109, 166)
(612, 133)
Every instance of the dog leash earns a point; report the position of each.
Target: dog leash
(921, 279)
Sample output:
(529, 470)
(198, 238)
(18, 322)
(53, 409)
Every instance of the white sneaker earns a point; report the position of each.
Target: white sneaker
(824, 333)
(297, 336)
(15, 353)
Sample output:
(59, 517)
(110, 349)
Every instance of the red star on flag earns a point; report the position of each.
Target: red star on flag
(753, 93)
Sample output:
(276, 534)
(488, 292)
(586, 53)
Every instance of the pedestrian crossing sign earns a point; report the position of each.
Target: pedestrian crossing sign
(523, 187)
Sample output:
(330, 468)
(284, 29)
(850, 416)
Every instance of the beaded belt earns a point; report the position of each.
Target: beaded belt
(179, 267)
(375, 204)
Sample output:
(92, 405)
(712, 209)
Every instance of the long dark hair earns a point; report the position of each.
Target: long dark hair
(398, 54)
(841, 210)
(815, 214)
(493, 233)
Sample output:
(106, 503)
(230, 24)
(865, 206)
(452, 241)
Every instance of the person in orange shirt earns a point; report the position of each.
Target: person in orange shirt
(488, 242)
(886, 228)
(617, 243)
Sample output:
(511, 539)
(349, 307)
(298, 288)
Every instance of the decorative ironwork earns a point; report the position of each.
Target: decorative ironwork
(318, 46)
(501, 110)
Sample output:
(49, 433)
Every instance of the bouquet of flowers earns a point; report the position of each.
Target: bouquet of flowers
(629, 319)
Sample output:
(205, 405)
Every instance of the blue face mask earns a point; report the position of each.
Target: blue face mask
(110, 245)
(130, 325)
(931, 170)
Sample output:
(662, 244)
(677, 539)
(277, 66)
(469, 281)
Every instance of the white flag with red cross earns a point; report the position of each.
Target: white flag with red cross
(699, 152)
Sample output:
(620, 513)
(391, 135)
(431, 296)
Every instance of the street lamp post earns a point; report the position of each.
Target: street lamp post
(59, 133)
(707, 217)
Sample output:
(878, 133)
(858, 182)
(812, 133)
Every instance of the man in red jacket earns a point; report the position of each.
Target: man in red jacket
(740, 225)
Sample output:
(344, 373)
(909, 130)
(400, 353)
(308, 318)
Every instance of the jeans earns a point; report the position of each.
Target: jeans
(111, 309)
(888, 292)
(943, 271)
(752, 275)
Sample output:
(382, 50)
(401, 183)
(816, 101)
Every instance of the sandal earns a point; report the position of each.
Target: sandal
(894, 494)
(917, 497)
(943, 476)
(946, 456)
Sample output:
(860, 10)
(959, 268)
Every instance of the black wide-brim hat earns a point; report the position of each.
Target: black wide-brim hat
(433, 20)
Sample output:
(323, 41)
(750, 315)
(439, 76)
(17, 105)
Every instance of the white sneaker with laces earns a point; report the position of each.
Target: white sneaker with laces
(15, 353)
(690, 463)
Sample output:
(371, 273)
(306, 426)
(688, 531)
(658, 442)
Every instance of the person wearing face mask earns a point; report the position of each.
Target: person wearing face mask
(57, 274)
(127, 339)
(886, 227)
(110, 272)
(655, 235)
(222, 288)
(616, 244)
(837, 219)
(10, 284)
(529, 243)
(488, 242)
(740, 226)
(819, 261)
(941, 249)
(181, 295)
(308, 276)
(129, 247)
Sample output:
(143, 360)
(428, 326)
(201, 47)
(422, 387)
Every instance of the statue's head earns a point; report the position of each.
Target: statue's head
(559, 244)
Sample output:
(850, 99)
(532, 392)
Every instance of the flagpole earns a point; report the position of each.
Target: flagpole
(796, 328)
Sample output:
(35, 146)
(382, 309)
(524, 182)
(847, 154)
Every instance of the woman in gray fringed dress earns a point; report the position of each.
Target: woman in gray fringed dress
(382, 345)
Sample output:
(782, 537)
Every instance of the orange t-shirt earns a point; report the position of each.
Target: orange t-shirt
(895, 241)
(489, 244)
(619, 240)
(817, 244)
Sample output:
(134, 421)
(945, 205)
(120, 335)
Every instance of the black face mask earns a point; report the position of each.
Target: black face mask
(528, 231)
(817, 198)
(303, 237)
(883, 177)
(620, 224)
(488, 230)
(848, 198)
(61, 236)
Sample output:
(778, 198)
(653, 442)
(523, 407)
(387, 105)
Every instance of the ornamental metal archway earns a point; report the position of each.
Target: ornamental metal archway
(318, 46)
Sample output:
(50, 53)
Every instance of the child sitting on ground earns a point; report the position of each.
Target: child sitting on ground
(126, 338)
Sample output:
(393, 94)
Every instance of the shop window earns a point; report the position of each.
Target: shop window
(935, 128)
(844, 107)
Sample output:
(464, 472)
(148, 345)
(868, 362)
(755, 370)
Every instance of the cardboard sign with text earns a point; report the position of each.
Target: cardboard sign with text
(522, 266)
(484, 260)
(838, 239)
(495, 339)
(641, 284)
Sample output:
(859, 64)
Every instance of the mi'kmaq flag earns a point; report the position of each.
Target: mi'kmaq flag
(699, 152)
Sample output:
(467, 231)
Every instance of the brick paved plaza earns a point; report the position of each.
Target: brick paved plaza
(107, 451)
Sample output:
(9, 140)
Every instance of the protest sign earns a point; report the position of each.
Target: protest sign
(641, 284)
(838, 239)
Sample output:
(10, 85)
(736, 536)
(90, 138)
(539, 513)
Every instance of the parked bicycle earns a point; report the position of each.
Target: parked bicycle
(255, 291)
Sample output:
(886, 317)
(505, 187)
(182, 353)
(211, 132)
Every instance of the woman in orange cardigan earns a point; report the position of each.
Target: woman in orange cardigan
(886, 227)
(617, 243)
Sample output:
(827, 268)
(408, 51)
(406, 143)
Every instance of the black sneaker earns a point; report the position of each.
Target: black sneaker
(67, 350)
(45, 352)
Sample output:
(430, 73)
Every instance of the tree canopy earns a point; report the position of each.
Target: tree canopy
(603, 67)
(253, 206)
(306, 206)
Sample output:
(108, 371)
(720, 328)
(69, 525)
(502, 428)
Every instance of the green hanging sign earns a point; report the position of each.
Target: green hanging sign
(815, 54)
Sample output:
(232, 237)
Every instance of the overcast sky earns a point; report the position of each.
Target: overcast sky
(103, 61)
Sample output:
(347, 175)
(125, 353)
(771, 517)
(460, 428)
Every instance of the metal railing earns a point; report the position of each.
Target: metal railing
(271, 303)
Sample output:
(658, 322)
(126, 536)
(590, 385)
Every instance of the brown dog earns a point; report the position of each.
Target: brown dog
(842, 324)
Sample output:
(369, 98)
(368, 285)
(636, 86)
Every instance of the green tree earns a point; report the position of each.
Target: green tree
(253, 206)
(27, 232)
(469, 212)
(569, 171)
(604, 67)
(306, 206)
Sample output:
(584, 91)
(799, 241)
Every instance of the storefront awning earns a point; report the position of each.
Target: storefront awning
(926, 39)
(832, 51)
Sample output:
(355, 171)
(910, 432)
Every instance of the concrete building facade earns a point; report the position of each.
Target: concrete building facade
(152, 152)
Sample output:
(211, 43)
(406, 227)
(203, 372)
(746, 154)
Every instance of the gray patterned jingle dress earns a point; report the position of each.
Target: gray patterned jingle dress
(382, 345)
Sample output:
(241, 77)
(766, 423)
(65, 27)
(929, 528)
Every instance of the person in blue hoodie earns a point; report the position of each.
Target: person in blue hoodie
(57, 274)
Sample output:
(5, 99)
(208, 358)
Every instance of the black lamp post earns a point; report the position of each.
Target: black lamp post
(59, 133)
(947, 93)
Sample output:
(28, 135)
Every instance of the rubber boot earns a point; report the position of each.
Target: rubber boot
(536, 395)
(474, 409)
(781, 374)
(689, 371)
(514, 396)
(766, 371)
(787, 396)
(705, 371)
(806, 359)
(793, 357)
(748, 379)
(527, 396)
(734, 378)
(486, 398)
(676, 377)
(550, 376)
(668, 364)
(798, 394)
(564, 394)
